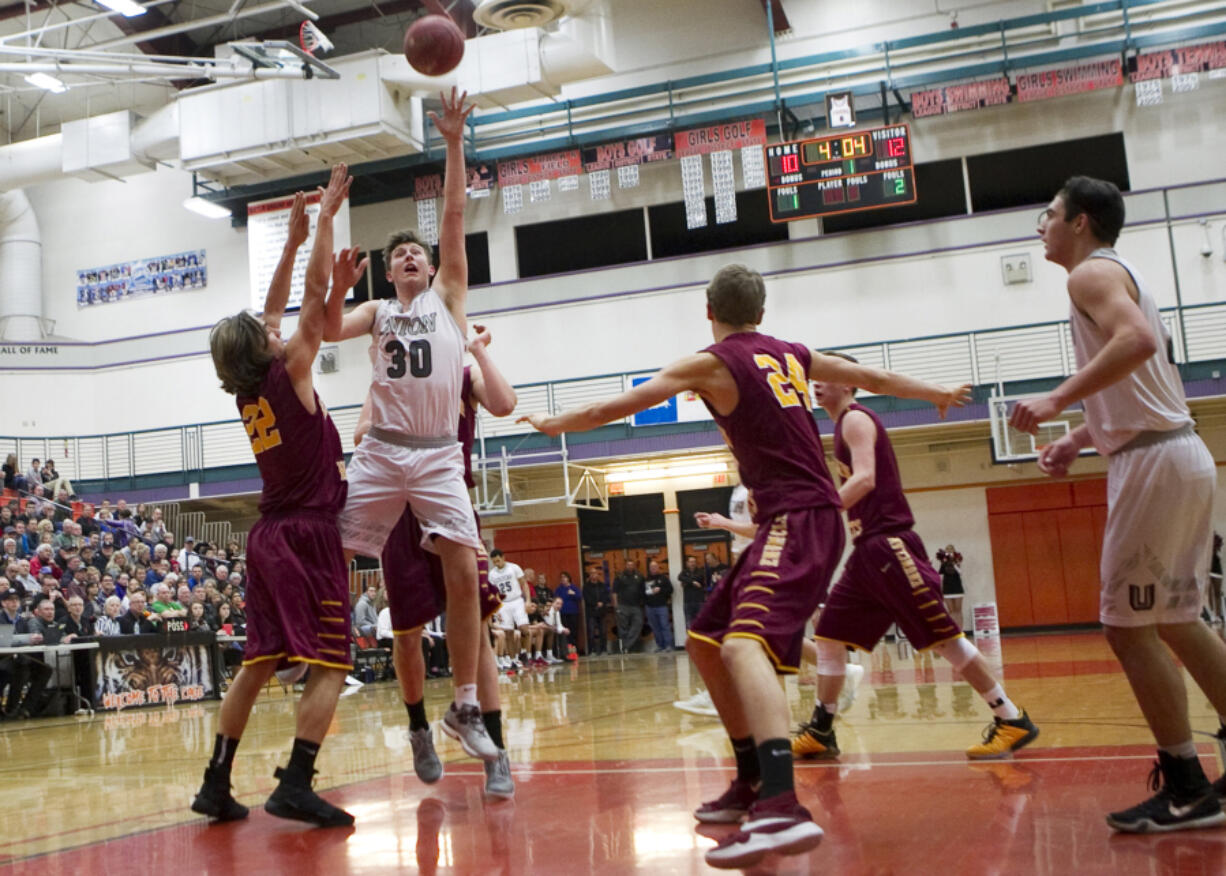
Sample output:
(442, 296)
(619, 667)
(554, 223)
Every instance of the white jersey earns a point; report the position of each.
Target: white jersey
(506, 580)
(418, 368)
(1151, 398)
(738, 511)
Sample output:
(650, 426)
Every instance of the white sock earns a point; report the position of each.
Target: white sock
(831, 708)
(1002, 707)
(1184, 750)
(466, 695)
(538, 656)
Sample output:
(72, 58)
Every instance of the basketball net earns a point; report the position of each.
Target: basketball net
(311, 38)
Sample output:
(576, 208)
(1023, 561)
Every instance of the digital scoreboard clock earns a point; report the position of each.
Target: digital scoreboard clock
(841, 173)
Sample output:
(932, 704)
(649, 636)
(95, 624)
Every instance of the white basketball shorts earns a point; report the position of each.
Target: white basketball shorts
(512, 615)
(384, 477)
(1155, 561)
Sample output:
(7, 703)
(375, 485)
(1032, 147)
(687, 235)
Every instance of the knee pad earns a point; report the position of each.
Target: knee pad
(831, 658)
(959, 652)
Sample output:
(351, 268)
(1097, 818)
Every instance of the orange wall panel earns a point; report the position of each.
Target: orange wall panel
(1079, 551)
(1028, 497)
(1093, 492)
(1010, 569)
(1045, 568)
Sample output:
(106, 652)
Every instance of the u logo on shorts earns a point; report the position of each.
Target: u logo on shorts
(1141, 598)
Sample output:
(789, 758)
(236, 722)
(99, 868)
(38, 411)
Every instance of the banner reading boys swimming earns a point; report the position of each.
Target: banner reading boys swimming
(180, 272)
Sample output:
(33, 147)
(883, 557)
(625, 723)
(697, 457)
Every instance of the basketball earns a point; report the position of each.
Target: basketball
(434, 45)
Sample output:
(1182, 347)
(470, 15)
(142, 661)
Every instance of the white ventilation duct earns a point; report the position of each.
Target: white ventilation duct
(21, 269)
(516, 14)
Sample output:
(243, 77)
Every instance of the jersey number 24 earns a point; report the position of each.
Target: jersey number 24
(791, 389)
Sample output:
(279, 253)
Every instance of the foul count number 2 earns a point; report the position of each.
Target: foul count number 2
(418, 358)
(791, 389)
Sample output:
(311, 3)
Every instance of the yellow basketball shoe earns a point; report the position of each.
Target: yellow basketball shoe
(1002, 738)
(809, 742)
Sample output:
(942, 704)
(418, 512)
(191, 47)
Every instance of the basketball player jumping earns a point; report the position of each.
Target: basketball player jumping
(888, 579)
(752, 624)
(298, 588)
(1160, 487)
(411, 455)
(416, 592)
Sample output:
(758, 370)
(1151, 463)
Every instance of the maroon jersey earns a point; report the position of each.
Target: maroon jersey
(466, 431)
(884, 510)
(298, 453)
(772, 432)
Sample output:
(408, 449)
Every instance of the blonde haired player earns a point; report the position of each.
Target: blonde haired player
(1160, 486)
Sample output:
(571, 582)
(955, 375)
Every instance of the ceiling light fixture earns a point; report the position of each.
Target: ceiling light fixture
(48, 82)
(207, 209)
(127, 8)
(680, 470)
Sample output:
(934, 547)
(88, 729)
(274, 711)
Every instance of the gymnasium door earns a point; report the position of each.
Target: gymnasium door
(1046, 544)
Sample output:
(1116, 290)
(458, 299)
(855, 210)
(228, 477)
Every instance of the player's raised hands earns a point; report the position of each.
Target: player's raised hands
(346, 269)
(331, 198)
(451, 123)
(299, 222)
(952, 397)
(480, 339)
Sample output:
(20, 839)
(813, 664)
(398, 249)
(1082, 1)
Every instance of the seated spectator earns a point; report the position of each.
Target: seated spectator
(137, 619)
(53, 483)
(43, 622)
(13, 480)
(76, 625)
(232, 551)
(184, 595)
(536, 634)
(229, 624)
(172, 555)
(27, 538)
(157, 573)
(10, 553)
(49, 588)
(196, 621)
(157, 527)
(106, 553)
(195, 577)
(166, 606)
(365, 615)
(236, 581)
(562, 647)
(87, 521)
(122, 581)
(236, 608)
(384, 636)
(74, 580)
(107, 622)
(213, 609)
(24, 579)
(43, 561)
(541, 594)
(434, 647)
(34, 474)
(188, 558)
(93, 604)
(24, 675)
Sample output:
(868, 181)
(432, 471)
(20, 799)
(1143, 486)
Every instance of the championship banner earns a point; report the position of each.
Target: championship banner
(430, 185)
(267, 231)
(140, 277)
(716, 138)
(643, 150)
(1069, 80)
(1170, 62)
(523, 171)
(956, 98)
(153, 671)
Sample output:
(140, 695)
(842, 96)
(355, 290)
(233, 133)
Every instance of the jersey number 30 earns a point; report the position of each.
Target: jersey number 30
(261, 425)
(416, 357)
(790, 389)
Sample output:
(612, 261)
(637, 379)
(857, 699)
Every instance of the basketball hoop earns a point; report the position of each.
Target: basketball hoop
(311, 38)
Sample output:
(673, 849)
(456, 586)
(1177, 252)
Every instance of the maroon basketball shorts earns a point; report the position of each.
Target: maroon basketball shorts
(416, 593)
(888, 579)
(776, 585)
(297, 592)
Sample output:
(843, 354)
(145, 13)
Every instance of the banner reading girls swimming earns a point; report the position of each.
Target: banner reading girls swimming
(179, 272)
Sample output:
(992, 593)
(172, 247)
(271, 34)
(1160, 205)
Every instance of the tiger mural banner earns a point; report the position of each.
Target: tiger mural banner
(154, 670)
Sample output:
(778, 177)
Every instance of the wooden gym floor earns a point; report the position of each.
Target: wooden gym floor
(607, 772)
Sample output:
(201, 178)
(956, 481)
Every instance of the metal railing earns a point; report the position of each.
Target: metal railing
(1030, 352)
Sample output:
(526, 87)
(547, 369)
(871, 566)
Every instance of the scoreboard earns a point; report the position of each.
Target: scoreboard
(841, 173)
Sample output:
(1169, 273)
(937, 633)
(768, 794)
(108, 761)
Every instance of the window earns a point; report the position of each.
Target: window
(580, 242)
(631, 521)
(1017, 177)
(476, 247)
(670, 237)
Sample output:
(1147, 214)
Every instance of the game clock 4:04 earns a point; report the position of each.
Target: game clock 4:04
(840, 173)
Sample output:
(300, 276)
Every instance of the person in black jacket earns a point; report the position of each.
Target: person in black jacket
(138, 619)
(597, 605)
(659, 598)
(629, 594)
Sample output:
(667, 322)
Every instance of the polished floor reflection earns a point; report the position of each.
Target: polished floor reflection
(607, 773)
